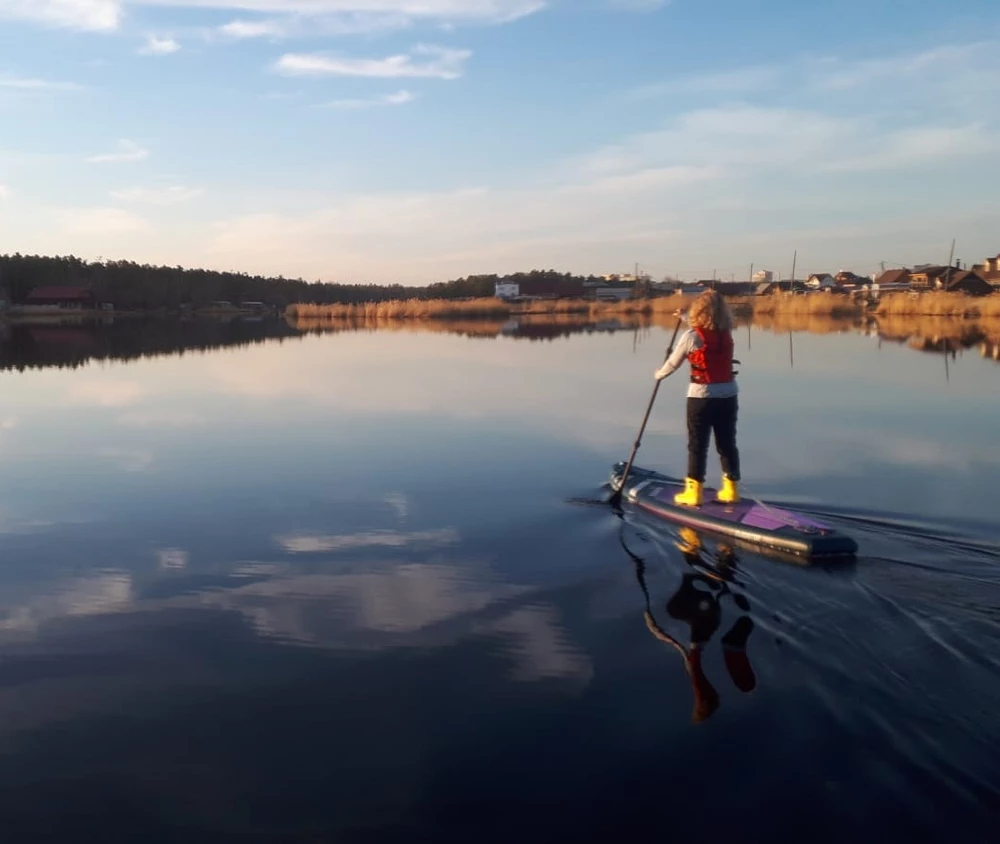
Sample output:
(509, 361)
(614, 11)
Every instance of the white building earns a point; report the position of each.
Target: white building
(507, 290)
(821, 281)
(763, 277)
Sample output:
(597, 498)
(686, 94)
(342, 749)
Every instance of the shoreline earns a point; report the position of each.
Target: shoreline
(900, 306)
(897, 303)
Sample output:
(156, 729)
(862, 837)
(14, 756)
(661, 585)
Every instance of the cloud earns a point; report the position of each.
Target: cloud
(107, 592)
(836, 74)
(127, 151)
(156, 46)
(101, 221)
(356, 23)
(174, 195)
(430, 11)
(172, 558)
(539, 646)
(264, 28)
(741, 81)
(20, 84)
(913, 147)
(87, 15)
(683, 187)
(312, 544)
(437, 63)
(638, 5)
(399, 98)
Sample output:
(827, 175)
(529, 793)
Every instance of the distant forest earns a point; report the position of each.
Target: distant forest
(131, 286)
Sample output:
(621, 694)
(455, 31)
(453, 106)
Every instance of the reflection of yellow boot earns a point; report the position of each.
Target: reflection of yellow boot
(729, 494)
(691, 495)
(690, 542)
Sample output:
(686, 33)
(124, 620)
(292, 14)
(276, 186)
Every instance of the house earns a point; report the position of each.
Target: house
(968, 282)
(820, 281)
(507, 290)
(688, 287)
(893, 279)
(613, 294)
(735, 288)
(845, 278)
(990, 270)
(763, 277)
(64, 298)
(768, 288)
(932, 277)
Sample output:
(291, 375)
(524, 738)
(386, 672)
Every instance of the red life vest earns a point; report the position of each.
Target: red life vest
(713, 362)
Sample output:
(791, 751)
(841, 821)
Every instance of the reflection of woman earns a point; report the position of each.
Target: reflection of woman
(697, 603)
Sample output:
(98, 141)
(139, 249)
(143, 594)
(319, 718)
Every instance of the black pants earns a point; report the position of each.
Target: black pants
(706, 416)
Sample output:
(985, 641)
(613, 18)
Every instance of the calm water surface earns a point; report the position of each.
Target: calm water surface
(348, 588)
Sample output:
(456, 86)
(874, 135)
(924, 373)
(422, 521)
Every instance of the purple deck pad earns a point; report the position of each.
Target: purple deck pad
(746, 512)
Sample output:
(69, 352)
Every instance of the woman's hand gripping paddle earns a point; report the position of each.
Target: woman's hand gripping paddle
(616, 497)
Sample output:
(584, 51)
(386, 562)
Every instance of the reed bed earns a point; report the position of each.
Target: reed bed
(487, 308)
(404, 309)
(939, 303)
(804, 304)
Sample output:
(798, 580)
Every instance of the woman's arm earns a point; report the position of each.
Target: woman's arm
(684, 347)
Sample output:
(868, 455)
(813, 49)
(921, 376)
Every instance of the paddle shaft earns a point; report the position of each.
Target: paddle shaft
(645, 419)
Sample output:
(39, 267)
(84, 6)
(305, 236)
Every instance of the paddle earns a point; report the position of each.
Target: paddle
(616, 498)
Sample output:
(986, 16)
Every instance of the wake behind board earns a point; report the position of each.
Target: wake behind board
(749, 521)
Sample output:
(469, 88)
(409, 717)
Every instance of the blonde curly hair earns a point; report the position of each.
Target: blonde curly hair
(710, 311)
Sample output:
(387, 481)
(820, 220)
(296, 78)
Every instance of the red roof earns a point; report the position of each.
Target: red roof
(65, 293)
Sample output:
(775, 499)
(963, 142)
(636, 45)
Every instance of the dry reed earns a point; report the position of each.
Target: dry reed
(816, 304)
(939, 303)
(487, 308)
(404, 309)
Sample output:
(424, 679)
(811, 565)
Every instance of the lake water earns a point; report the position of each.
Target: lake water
(348, 587)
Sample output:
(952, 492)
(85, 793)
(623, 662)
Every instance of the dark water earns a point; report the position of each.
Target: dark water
(347, 588)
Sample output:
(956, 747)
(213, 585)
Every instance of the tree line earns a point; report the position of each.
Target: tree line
(132, 286)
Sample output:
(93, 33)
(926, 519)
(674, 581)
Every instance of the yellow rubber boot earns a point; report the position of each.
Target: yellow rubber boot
(729, 494)
(690, 542)
(691, 497)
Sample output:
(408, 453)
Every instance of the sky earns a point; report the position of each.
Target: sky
(416, 141)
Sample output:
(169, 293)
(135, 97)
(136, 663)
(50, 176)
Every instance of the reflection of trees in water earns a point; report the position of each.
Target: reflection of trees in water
(70, 344)
(547, 327)
(935, 334)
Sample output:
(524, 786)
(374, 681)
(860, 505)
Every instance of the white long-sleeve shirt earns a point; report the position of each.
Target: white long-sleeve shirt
(690, 341)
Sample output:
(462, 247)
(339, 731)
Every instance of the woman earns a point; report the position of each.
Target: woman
(711, 397)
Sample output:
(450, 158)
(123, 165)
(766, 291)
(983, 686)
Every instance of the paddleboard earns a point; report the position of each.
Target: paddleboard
(748, 521)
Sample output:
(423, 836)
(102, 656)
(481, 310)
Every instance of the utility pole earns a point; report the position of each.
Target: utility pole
(795, 256)
(947, 275)
(751, 273)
